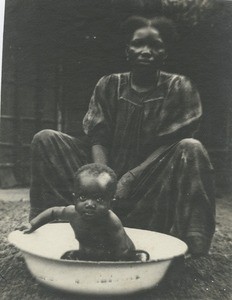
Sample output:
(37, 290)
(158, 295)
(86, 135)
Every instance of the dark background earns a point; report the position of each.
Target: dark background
(55, 51)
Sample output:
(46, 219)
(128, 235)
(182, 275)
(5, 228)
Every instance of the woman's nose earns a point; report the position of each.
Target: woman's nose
(146, 50)
(90, 204)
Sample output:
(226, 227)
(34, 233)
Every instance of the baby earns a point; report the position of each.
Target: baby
(99, 231)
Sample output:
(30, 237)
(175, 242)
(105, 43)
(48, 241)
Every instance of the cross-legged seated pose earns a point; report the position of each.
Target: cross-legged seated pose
(141, 124)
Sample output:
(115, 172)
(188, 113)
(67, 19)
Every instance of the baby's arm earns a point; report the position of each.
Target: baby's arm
(121, 242)
(50, 214)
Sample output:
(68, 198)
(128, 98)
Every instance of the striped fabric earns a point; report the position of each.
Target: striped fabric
(149, 138)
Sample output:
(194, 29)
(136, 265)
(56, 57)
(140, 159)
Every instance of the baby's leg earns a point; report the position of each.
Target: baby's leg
(137, 255)
(79, 255)
(71, 255)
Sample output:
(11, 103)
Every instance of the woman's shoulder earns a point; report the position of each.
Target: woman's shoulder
(174, 79)
(112, 79)
(166, 76)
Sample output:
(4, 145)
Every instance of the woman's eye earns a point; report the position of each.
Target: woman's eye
(82, 198)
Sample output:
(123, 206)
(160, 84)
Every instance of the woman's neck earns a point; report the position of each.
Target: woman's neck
(143, 81)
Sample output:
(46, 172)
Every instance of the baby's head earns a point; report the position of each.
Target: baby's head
(94, 188)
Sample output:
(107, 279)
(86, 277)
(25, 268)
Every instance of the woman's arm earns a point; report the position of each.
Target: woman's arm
(98, 122)
(100, 154)
(155, 155)
(183, 113)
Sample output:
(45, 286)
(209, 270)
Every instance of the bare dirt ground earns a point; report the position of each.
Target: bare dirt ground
(203, 278)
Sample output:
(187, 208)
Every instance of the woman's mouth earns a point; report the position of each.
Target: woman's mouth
(145, 61)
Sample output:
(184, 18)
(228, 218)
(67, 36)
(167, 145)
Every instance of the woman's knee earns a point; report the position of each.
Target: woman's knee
(190, 145)
(193, 149)
(44, 136)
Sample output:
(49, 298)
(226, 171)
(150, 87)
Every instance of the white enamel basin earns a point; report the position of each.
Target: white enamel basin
(43, 248)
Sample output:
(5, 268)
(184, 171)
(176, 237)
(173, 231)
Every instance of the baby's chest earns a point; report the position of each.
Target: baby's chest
(92, 236)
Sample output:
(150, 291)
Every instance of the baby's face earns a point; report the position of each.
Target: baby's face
(92, 199)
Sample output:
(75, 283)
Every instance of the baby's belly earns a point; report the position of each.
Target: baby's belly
(96, 243)
(97, 253)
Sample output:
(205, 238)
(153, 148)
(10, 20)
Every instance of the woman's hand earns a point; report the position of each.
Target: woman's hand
(125, 185)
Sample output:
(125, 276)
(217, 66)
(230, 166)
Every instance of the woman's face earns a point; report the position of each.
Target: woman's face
(146, 49)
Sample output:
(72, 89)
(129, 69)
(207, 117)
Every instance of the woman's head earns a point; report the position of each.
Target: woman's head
(148, 40)
(164, 25)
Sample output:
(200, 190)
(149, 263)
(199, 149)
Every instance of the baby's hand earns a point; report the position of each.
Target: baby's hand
(28, 229)
(25, 228)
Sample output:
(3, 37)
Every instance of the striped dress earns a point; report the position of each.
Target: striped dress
(149, 136)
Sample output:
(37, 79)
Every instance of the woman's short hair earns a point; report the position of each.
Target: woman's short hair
(164, 25)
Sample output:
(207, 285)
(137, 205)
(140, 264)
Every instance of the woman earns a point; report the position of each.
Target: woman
(141, 124)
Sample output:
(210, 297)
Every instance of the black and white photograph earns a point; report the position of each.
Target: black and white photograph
(116, 149)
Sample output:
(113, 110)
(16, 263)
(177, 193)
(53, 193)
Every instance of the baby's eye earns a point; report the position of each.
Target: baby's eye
(136, 43)
(100, 200)
(82, 198)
